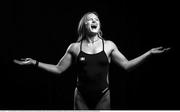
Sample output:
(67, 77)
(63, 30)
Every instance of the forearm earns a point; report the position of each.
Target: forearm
(49, 67)
(131, 64)
(128, 65)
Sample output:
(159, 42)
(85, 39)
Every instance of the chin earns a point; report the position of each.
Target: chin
(94, 31)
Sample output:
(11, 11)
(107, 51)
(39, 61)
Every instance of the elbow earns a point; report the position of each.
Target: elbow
(58, 70)
(127, 67)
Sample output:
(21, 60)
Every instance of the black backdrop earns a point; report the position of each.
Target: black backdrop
(43, 30)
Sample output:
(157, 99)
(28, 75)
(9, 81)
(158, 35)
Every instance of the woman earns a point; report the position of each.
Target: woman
(93, 55)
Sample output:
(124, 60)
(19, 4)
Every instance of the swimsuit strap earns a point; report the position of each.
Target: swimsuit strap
(103, 43)
(81, 45)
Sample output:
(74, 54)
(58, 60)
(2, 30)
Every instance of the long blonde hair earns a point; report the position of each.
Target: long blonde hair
(82, 30)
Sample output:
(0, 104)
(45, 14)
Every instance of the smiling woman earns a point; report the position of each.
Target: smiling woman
(93, 23)
(89, 24)
(92, 55)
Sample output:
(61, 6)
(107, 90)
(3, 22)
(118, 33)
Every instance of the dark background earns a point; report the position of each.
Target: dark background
(43, 30)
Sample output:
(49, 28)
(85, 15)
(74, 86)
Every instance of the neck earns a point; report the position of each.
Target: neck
(92, 39)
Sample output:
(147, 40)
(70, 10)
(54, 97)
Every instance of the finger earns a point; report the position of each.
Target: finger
(17, 62)
(25, 62)
(167, 49)
(25, 59)
(159, 47)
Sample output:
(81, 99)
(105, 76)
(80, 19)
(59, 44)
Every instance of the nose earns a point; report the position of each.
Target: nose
(93, 21)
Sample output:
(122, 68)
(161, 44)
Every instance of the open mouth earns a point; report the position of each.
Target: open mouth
(93, 26)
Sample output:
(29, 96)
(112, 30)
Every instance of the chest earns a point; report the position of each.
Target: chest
(92, 48)
(97, 50)
(93, 60)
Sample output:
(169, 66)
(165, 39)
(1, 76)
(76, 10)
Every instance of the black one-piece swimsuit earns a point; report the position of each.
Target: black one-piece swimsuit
(92, 71)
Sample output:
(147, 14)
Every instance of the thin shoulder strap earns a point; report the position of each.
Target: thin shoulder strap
(81, 45)
(103, 43)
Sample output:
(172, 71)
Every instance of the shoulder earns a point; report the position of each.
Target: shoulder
(73, 47)
(110, 44)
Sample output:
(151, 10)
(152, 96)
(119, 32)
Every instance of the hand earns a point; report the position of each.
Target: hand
(159, 50)
(26, 61)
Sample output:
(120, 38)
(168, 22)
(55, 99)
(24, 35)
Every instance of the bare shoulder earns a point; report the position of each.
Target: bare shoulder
(109, 47)
(74, 48)
(110, 44)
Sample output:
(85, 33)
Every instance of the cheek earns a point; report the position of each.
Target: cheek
(99, 24)
(87, 26)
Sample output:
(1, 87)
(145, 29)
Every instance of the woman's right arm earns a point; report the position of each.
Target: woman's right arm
(63, 64)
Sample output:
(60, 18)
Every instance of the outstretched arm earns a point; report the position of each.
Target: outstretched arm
(128, 65)
(62, 65)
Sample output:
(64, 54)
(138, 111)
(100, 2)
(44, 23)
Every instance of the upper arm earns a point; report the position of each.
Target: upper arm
(117, 56)
(66, 61)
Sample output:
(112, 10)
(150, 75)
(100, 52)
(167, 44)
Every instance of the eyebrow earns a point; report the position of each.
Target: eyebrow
(91, 17)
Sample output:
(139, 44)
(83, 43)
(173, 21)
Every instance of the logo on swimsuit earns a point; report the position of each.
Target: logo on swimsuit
(82, 58)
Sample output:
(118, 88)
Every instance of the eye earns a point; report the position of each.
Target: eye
(89, 19)
(96, 19)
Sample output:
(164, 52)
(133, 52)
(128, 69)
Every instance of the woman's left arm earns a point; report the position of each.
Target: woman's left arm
(129, 65)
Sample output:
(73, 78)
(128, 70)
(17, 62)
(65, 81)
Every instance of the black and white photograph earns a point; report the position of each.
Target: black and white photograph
(89, 55)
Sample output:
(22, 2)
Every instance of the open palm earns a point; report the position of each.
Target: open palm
(159, 50)
(26, 61)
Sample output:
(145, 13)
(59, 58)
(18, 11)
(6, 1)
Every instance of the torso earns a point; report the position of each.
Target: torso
(92, 66)
(96, 48)
(92, 69)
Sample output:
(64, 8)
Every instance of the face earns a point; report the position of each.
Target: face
(92, 23)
